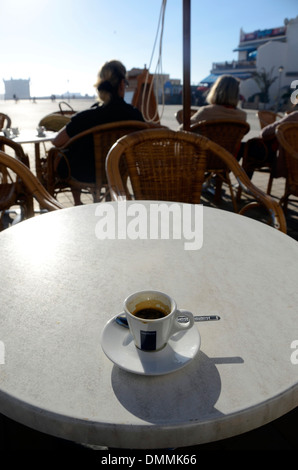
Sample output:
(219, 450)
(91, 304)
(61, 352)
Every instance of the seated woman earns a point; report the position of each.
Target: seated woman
(223, 99)
(111, 107)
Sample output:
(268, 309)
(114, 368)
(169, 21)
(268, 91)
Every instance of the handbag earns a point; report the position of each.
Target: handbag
(55, 121)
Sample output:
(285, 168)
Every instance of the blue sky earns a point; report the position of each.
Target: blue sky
(61, 44)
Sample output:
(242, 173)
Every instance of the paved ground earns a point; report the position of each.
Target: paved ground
(279, 435)
(26, 115)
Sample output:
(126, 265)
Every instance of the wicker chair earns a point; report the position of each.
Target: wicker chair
(179, 114)
(55, 121)
(287, 136)
(17, 149)
(170, 166)
(228, 134)
(5, 121)
(104, 136)
(257, 156)
(267, 117)
(18, 186)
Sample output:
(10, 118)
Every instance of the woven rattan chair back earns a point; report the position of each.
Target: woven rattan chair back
(18, 186)
(165, 165)
(5, 121)
(7, 182)
(287, 135)
(267, 117)
(9, 146)
(104, 136)
(228, 134)
(179, 114)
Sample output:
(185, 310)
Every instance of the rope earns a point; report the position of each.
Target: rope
(158, 71)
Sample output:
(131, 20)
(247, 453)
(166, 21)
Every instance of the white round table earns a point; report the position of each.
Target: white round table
(60, 285)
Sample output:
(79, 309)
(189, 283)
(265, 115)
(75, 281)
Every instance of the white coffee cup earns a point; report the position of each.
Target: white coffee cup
(7, 132)
(152, 318)
(40, 131)
(15, 130)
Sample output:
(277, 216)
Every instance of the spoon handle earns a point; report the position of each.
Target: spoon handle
(121, 320)
(206, 317)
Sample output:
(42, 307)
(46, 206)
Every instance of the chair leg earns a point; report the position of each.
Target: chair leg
(269, 187)
(27, 206)
(218, 186)
(108, 195)
(76, 194)
(239, 192)
(249, 174)
(234, 199)
(285, 199)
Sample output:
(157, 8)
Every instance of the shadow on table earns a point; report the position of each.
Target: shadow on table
(198, 385)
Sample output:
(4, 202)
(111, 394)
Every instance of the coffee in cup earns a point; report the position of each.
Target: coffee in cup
(152, 318)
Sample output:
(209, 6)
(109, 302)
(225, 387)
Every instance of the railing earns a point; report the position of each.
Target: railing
(243, 64)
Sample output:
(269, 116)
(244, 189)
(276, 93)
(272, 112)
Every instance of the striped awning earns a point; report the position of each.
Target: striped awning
(213, 77)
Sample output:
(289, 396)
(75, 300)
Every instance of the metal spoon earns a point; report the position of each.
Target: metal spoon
(121, 320)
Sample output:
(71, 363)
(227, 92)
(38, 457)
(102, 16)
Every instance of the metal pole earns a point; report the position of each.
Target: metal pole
(280, 70)
(186, 65)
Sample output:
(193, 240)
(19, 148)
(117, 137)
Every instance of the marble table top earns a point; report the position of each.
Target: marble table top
(63, 277)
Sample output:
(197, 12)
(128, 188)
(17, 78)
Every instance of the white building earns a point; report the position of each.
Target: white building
(274, 50)
(17, 89)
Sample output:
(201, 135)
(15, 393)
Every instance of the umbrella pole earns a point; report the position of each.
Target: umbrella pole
(186, 65)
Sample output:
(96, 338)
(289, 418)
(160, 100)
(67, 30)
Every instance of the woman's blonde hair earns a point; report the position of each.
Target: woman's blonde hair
(225, 91)
(108, 80)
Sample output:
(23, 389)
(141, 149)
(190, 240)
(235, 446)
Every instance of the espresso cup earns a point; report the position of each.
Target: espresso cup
(15, 130)
(152, 318)
(40, 131)
(7, 132)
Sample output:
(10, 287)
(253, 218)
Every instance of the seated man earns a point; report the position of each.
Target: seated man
(264, 150)
(270, 140)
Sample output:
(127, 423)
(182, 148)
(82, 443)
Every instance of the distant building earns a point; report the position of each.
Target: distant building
(166, 89)
(275, 50)
(17, 89)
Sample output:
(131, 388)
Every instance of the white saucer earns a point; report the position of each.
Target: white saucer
(118, 345)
